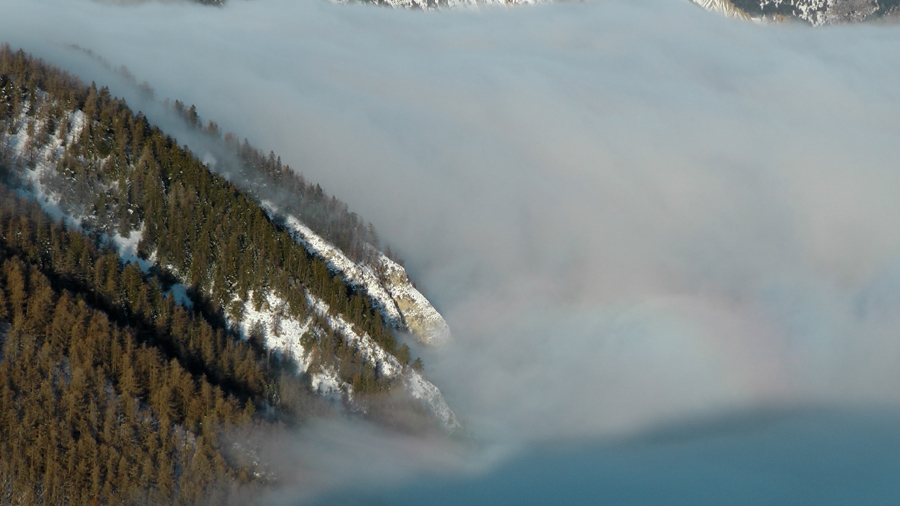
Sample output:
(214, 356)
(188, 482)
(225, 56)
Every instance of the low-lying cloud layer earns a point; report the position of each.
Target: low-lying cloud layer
(819, 458)
(629, 211)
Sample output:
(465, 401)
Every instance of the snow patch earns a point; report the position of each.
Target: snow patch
(279, 330)
(386, 364)
(423, 390)
(359, 276)
(327, 384)
(127, 248)
(814, 12)
(723, 7)
(179, 292)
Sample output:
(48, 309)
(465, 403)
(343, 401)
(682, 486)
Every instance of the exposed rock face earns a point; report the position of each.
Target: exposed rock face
(421, 318)
(851, 10)
(815, 12)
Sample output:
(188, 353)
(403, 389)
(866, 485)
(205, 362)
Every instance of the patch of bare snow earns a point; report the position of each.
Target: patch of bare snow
(327, 384)
(283, 333)
(723, 7)
(426, 392)
(359, 276)
(280, 331)
(179, 291)
(127, 247)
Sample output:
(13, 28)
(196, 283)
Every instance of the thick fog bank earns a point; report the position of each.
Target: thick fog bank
(798, 458)
(629, 211)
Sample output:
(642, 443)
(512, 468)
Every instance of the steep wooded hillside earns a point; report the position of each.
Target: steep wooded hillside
(111, 392)
(158, 304)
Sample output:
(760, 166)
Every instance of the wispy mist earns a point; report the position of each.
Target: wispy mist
(629, 211)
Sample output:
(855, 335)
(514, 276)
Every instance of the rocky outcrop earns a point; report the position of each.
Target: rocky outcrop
(420, 318)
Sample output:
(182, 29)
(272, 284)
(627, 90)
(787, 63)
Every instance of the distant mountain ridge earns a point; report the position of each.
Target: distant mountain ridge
(411, 4)
(440, 4)
(814, 12)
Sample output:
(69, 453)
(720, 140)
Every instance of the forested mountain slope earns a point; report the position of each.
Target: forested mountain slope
(325, 226)
(109, 391)
(122, 375)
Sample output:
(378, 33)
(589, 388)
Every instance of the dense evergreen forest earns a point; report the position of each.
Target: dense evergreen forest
(111, 392)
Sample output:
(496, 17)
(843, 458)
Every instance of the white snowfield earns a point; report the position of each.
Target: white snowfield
(388, 366)
(425, 391)
(280, 332)
(401, 304)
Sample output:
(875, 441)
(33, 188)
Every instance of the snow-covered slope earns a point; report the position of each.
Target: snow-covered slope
(387, 284)
(283, 333)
